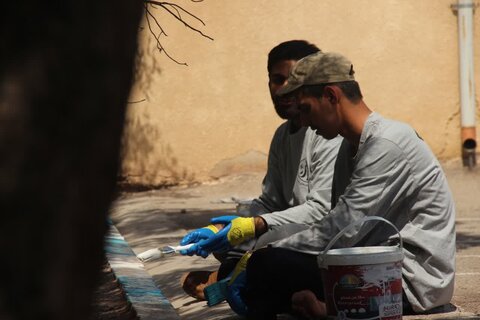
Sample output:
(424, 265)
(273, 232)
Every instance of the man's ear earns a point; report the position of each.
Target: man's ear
(332, 94)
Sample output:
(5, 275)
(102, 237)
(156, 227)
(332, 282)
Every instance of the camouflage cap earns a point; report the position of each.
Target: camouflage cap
(318, 68)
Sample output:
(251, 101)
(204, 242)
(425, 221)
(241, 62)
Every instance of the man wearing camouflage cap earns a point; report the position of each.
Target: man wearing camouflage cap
(383, 169)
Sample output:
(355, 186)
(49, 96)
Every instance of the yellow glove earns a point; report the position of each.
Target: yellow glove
(242, 229)
(240, 267)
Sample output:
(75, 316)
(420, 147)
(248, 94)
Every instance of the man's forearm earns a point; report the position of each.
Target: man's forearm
(260, 226)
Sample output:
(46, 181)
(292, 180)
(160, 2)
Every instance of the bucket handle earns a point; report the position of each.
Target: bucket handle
(353, 224)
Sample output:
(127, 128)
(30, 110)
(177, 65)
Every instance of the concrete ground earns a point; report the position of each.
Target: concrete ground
(161, 217)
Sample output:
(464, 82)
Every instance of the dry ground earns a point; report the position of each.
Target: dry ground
(157, 218)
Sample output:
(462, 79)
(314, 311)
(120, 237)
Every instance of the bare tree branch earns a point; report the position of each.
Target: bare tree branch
(176, 11)
(157, 37)
(166, 5)
(148, 13)
(138, 101)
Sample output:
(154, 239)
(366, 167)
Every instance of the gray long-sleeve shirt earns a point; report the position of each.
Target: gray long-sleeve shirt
(297, 185)
(397, 177)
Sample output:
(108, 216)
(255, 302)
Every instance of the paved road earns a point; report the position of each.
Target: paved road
(465, 185)
(157, 218)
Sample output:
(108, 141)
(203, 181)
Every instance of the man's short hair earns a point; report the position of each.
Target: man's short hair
(290, 50)
(351, 90)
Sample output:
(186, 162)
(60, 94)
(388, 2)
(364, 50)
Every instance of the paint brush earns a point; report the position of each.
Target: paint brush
(158, 253)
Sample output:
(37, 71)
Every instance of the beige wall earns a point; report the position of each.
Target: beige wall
(215, 116)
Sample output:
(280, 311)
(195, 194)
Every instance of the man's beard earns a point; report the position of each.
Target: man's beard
(286, 110)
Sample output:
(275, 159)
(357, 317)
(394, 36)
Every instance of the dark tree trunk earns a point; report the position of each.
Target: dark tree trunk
(65, 75)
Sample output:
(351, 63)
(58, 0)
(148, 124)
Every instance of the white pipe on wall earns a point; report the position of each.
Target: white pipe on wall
(465, 9)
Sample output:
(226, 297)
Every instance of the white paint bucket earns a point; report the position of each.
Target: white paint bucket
(363, 282)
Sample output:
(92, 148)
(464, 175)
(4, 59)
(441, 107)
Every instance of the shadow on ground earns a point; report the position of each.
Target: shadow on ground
(466, 240)
(162, 217)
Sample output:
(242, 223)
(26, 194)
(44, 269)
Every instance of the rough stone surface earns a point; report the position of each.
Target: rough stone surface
(109, 300)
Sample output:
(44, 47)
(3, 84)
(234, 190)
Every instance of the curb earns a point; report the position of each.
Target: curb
(140, 289)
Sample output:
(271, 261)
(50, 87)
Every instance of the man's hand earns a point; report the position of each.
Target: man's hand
(236, 286)
(199, 234)
(196, 236)
(236, 230)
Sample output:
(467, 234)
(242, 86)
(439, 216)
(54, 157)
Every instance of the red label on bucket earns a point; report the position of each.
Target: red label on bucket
(364, 291)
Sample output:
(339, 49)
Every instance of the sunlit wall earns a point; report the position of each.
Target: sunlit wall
(215, 117)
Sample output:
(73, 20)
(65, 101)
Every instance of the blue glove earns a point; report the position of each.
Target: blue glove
(236, 286)
(195, 250)
(194, 237)
(236, 230)
(199, 234)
